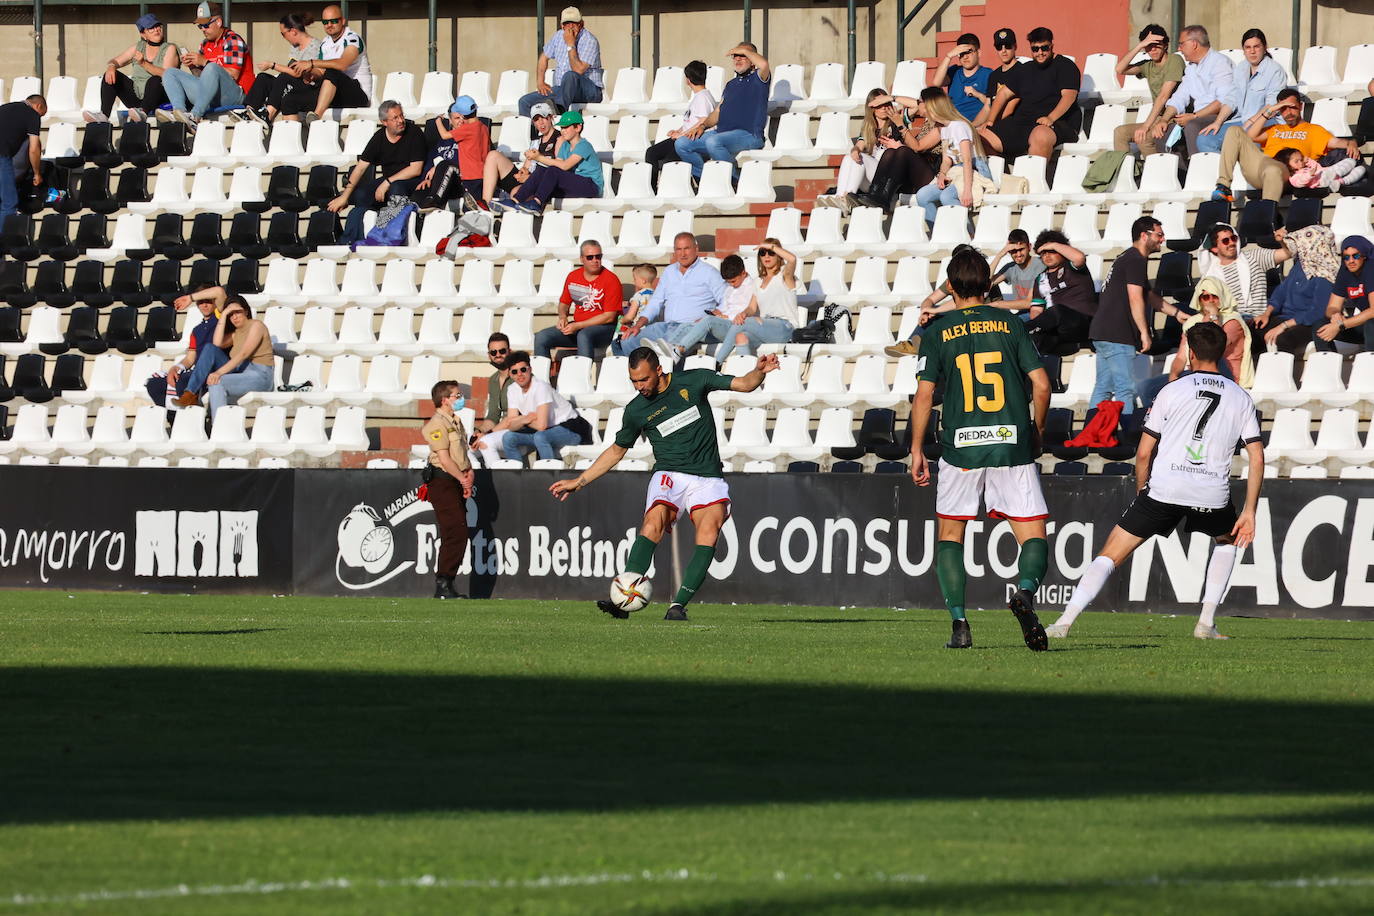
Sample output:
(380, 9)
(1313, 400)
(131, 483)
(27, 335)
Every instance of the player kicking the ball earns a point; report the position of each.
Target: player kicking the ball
(993, 383)
(673, 413)
(1183, 471)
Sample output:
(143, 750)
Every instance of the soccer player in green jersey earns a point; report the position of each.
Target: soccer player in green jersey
(672, 412)
(996, 396)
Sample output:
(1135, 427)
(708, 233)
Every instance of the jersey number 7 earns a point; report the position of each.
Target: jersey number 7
(976, 366)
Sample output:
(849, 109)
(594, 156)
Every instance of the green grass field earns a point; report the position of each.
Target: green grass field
(255, 754)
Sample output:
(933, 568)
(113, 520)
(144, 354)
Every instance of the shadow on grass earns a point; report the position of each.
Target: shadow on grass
(888, 620)
(172, 742)
(212, 632)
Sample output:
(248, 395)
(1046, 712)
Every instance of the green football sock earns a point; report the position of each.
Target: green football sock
(1034, 561)
(949, 569)
(695, 574)
(641, 555)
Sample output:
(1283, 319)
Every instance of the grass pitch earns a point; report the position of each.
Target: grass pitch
(255, 754)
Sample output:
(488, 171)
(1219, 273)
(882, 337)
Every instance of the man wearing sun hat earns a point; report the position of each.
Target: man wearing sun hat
(219, 75)
(575, 55)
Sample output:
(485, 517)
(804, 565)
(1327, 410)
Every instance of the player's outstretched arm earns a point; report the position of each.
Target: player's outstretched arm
(921, 404)
(562, 489)
(1243, 533)
(754, 378)
(1144, 453)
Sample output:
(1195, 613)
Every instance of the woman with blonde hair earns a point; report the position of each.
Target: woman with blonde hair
(881, 131)
(908, 165)
(771, 316)
(962, 148)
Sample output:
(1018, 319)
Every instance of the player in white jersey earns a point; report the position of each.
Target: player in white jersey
(1183, 474)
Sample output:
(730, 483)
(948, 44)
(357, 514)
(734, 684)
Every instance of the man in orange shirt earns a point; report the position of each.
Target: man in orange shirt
(1256, 161)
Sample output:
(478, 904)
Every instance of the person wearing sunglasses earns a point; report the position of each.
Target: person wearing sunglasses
(538, 418)
(1256, 80)
(741, 119)
(1297, 307)
(498, 351)
(592, 300)
(1242, 270)
(1047, 114)
(147, 59)
(1348, 313)
(1162, 72)
(1205, 87)
(219, 75)
(1253, 150)
(339, 77)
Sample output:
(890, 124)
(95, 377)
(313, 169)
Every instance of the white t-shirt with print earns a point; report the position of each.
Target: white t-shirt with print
(360, 70)
(540, 393)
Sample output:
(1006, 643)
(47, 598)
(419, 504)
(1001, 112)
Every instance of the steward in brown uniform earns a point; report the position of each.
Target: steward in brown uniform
(449, 477)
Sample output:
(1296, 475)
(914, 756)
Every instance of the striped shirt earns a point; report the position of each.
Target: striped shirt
(1245, 278)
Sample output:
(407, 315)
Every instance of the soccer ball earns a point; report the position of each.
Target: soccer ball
(631, 591)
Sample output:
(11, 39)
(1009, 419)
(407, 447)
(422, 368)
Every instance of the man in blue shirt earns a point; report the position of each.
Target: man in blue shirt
(575, 55)
(969, 74)
(688, 290)
(740, 121)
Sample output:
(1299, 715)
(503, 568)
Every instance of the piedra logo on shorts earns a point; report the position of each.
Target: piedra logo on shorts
(371, 543)
(969, 436)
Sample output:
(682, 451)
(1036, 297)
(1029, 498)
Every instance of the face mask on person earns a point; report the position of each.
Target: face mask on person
(458, 402)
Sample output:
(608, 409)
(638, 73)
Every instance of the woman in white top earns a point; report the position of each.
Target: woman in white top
(962, 148)
(701, 105)
(770, 317)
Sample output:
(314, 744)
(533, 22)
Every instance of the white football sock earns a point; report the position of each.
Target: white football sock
(1218, 577)
(1086, 589)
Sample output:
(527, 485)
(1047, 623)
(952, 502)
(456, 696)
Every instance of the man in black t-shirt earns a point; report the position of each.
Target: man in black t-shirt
(20, 123)
(1048, 113)
(1004, 46)
(1121, 327)
(1066, 287)
(397, 150)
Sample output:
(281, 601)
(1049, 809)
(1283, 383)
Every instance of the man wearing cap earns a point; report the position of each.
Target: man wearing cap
(148, 58)
(967, 83)
(20, 124)
(219, 75)
(1004, 46)
(340, 78)
(573, 171)
(397, 150)
(500, 174)
(741, 118)
(1048, 113)
(458, 148)
(576, 58)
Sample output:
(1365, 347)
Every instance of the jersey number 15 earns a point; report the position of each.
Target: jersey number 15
(976, 368)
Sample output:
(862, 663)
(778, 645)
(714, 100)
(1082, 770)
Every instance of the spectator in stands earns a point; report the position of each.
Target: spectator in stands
(1120, 327)
(574, 171)
(1253, 148)
(1212, 302)
(1004, 46)
(458, 147)
(1205, 87)
(341, 77)
(717, 325)
(1243, 271)
(881, 132)
(20, 126)
(500, 174)
(739, 123)
(264, 100)
(202, 357)
(537, 416)
(1022, 273)
(772, 316)
(498, 354)
(1364, 124)
(1255, 84)
(575, 55)
(250, 364)
(592, 300)
(699, 107)
(966, 84)
(397, 151)
(645, 282)
(910, 165)
(1348, 308)
(1306, 172)
(141, 90)
(219, 75)
(1297, 307)
(963, 151)
(688, 289)
(1162, 72)
(1066, 287)
(1048, 113)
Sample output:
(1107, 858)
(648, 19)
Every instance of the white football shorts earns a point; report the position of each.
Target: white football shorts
(686, 492)
(1012, 493)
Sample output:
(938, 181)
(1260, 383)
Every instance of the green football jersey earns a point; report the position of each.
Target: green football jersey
(982, 356)
(678, 423)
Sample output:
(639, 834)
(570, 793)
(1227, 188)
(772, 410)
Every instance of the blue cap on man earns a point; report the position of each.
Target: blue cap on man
(146, 22)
